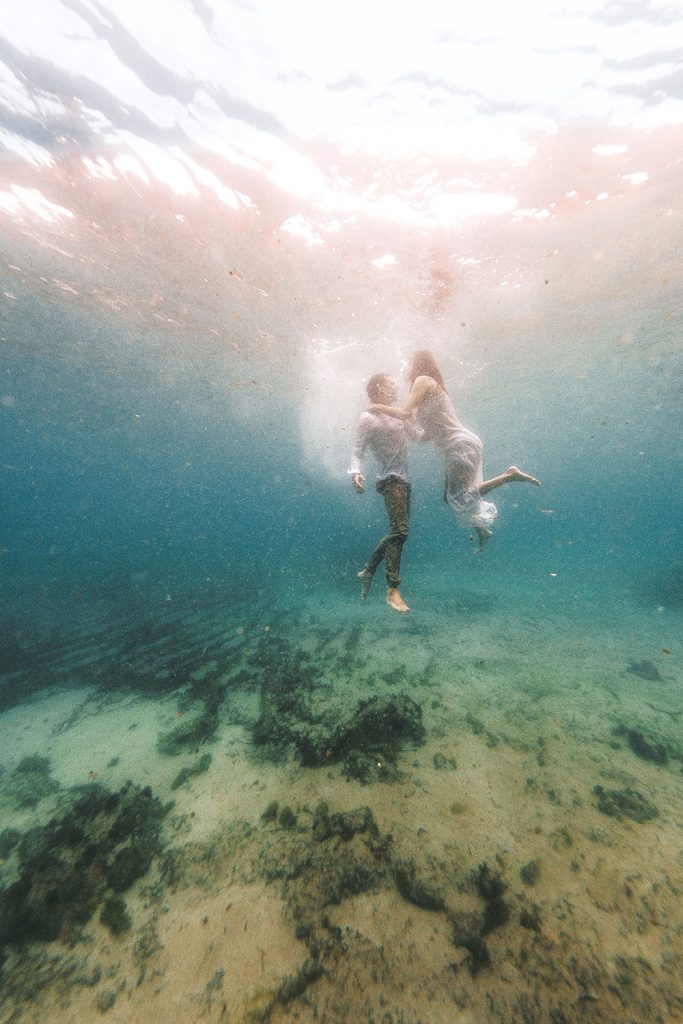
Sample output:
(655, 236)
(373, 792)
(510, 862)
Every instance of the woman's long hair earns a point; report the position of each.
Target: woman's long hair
(423, 364)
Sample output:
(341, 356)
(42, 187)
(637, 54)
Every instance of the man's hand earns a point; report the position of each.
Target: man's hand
(358, 480)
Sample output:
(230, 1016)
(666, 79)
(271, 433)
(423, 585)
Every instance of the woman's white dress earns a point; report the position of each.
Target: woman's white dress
(461, 451)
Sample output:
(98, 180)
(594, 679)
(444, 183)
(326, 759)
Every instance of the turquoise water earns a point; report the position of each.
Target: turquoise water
(121, 474)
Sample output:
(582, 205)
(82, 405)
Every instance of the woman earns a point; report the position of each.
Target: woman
(461, 450)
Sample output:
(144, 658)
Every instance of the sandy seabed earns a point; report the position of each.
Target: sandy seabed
(523, 862)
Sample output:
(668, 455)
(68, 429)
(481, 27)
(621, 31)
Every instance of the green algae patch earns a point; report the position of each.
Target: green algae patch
(115, 916)
(28, 783)
(625, 803)
(294, 721)
(68, 868)
(196, 768)
(193, 732)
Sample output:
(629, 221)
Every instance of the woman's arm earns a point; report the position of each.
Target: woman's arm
(422, 387)
(413, 431)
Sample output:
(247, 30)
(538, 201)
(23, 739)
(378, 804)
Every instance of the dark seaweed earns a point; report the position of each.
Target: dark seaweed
(645, 670)
(30, 782)
(625, 803)
(190, 770)
(67, 868)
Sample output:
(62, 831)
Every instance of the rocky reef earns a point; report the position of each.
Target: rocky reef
(337, 856)
(292, 720)
(81, 860)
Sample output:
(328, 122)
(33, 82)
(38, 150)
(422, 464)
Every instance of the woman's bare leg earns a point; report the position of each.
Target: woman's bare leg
(511, 475)
(484, 535)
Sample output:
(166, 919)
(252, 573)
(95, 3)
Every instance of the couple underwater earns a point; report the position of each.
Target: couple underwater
(428, 415)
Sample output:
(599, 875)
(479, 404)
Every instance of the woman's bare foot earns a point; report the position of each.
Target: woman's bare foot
(524, 478)
(365, 578)
(484, 535)
(395, 601)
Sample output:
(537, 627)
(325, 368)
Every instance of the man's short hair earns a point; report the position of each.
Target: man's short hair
(375, 385)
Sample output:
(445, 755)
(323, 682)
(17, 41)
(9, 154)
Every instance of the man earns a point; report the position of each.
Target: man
(385, 436)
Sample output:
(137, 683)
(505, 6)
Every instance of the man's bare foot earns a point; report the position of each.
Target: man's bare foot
(395, 601)
(524, 478)
(484, 535)
(365, 578)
